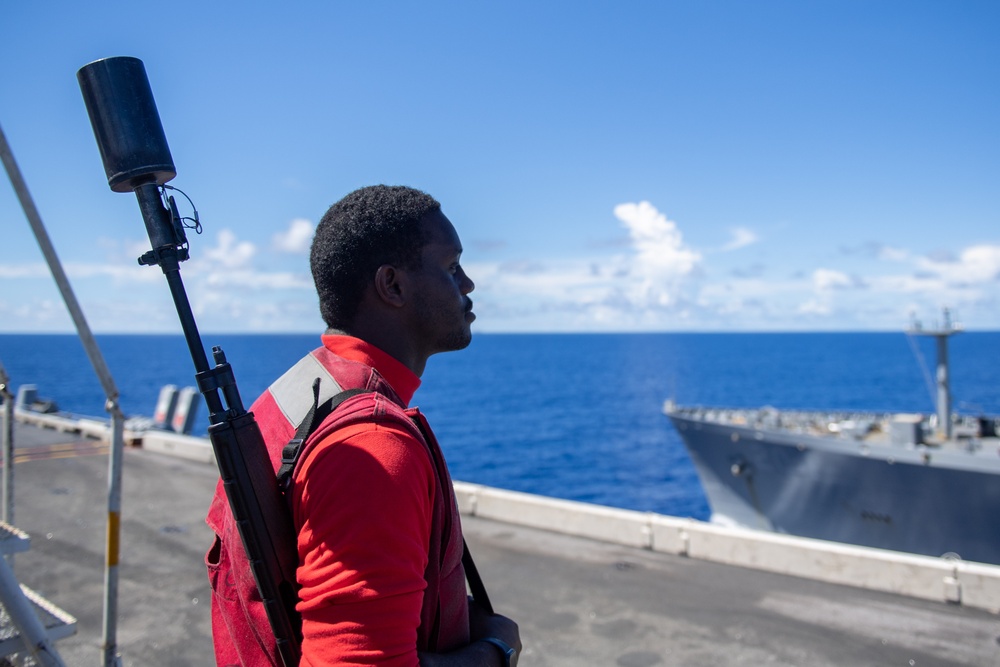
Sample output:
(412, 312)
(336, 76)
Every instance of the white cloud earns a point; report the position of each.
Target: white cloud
(661, 260)
(815, 307)
(227, 268)
(230, 253)
(658, 242)
(826, 279)
(247, 279)
(661, 283)
(975, 265)
(296, 239)
(123, 273)
(642, 288)
(742, 237)
(224, 286)
(129, 273)
(891, 254)
(37, 270)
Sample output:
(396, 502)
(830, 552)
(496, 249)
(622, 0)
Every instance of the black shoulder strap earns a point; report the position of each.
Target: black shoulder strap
(476, 585)
(317, 413)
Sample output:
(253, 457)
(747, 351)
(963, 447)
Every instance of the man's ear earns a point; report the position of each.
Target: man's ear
(387, 285)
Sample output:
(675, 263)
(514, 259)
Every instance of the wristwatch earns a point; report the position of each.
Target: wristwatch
(508, 652)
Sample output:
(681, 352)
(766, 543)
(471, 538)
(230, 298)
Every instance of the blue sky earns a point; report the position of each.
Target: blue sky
(634, 166)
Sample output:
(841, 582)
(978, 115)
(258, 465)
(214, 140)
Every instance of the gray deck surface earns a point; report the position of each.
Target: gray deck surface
(578, 602)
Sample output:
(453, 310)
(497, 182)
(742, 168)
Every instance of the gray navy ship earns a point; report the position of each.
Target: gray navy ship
(925, 484)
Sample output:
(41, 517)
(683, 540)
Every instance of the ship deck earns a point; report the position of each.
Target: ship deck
(578, 601)
(873, 428)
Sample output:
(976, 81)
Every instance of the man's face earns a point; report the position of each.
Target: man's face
(442, 311)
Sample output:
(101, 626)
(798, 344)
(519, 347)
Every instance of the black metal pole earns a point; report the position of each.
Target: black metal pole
(162, 236)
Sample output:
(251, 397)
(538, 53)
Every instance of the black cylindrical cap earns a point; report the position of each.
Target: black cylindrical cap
(126, 124)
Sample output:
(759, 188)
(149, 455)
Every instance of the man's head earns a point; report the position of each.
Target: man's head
(369, 227)
(386, 265)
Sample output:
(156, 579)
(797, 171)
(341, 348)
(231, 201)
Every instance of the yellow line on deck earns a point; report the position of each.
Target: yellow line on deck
(60, 451)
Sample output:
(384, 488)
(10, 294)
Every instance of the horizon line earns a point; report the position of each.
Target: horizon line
(539, 332)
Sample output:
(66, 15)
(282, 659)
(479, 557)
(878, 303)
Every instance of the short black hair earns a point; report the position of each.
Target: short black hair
(372, 226)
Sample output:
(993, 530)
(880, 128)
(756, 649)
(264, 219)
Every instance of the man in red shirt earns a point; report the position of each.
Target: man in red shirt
(378, 532)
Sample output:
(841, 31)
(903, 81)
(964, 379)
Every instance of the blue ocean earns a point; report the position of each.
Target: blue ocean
(574, 416)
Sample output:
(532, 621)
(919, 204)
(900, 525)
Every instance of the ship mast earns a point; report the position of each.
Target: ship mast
(941, 335)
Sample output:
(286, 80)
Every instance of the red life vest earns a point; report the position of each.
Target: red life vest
(237, 611)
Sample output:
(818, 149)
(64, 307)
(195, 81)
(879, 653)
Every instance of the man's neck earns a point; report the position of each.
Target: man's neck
(381, 336)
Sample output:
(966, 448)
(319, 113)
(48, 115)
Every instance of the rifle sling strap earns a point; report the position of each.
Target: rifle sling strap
(317, 413)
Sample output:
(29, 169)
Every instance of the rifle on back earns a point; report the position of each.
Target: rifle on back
(136, 158)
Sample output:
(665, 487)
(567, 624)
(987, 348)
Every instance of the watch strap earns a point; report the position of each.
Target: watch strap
(508, 652)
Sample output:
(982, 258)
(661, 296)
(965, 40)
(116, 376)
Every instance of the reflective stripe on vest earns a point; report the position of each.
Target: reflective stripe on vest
(292, 391)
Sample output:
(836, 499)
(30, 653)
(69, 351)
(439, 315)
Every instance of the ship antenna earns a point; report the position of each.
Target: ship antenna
(941, 335)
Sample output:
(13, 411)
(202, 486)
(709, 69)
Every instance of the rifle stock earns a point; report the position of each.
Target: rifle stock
(263, 523)
(134, 150)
